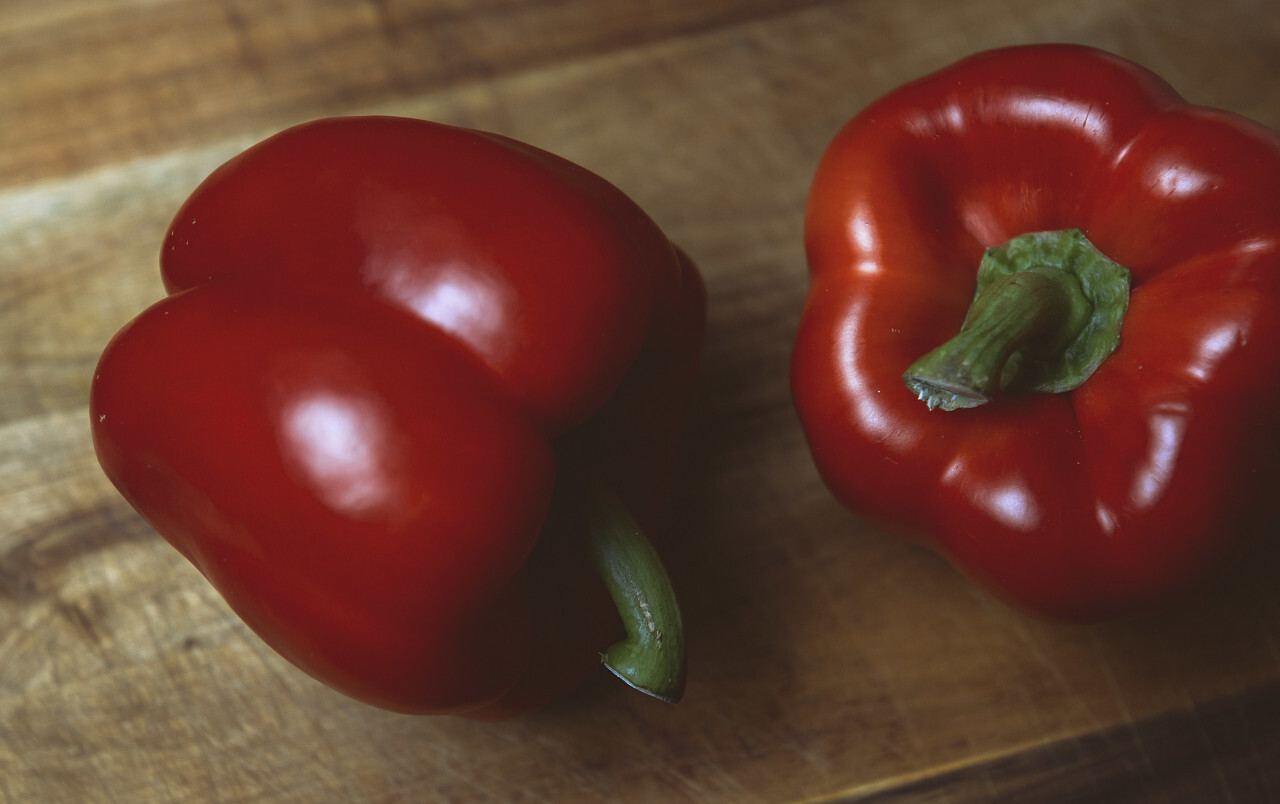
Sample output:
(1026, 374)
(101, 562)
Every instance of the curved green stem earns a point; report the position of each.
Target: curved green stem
(652, 656)
(1046, 313)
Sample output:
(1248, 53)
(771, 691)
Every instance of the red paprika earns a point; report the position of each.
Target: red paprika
(1084, 449)
(408, 380)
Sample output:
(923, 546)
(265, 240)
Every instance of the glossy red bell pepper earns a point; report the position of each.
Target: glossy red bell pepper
(1101, 437)
(410, 383)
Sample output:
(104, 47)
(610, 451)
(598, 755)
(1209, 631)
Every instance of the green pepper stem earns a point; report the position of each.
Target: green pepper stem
(652, 656)
(1047, 312)
(1011, 313)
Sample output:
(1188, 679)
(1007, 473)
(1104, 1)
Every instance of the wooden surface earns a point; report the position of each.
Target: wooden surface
(828, 662)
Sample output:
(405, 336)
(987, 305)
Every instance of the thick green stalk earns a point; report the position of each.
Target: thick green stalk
(1047, 312)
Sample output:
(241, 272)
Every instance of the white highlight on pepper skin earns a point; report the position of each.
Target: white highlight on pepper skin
(338, 442)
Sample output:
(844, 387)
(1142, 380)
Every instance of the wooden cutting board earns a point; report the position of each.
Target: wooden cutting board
(828, 661)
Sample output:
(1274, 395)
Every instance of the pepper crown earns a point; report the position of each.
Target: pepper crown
(1046, 313)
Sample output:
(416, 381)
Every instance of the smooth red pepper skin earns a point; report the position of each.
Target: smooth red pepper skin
(387, 343)
(1150, 478)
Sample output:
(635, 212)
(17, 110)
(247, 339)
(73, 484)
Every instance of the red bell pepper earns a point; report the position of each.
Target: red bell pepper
(1100, 437)
(410, 382)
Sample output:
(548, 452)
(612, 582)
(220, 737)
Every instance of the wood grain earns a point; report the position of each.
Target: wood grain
(96, 82)
(1225, 750)
(828, 662)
